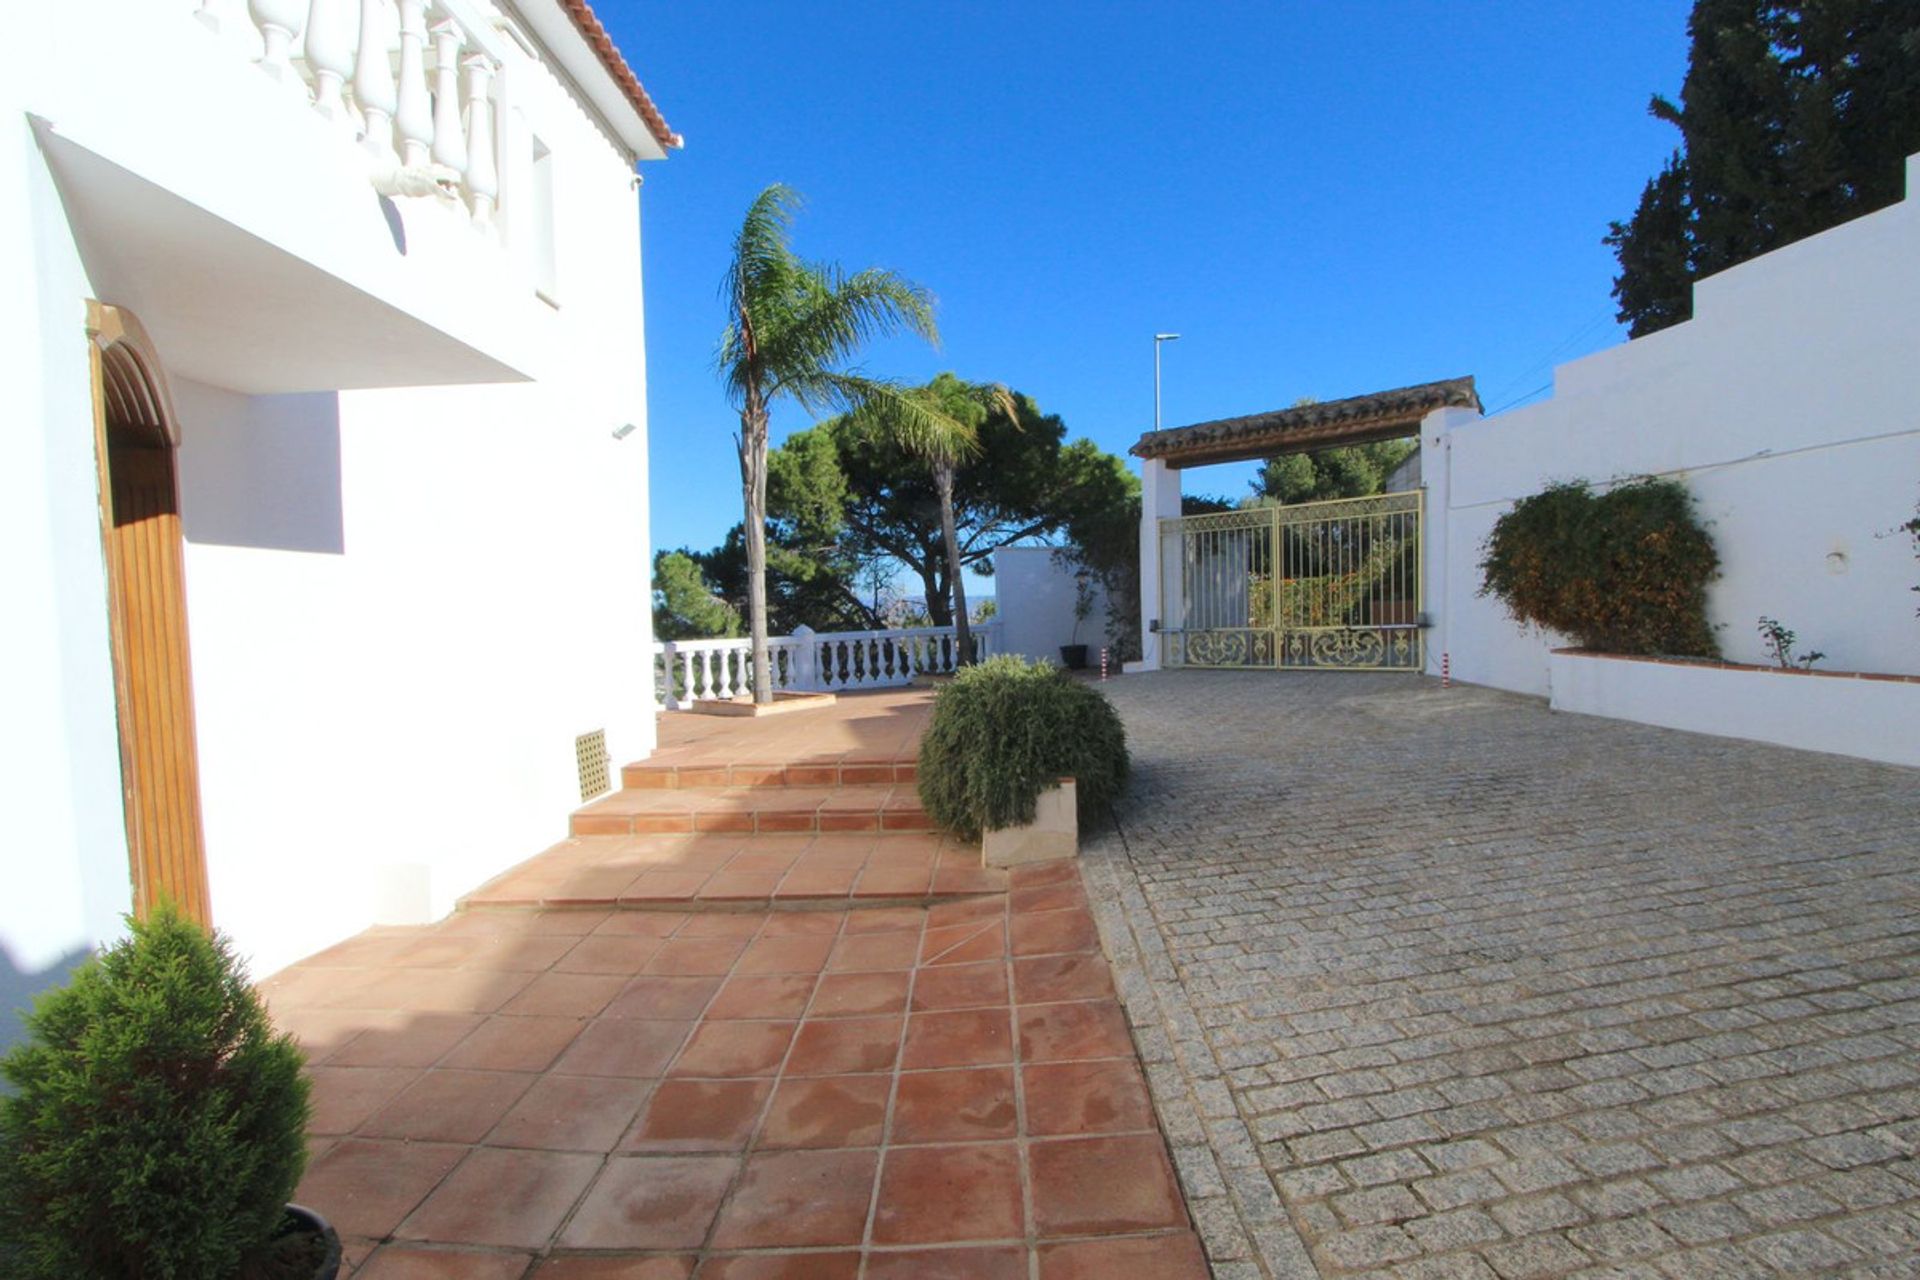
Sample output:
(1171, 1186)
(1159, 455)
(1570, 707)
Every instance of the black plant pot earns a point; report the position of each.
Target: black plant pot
(313, 1223)
(1073, 657)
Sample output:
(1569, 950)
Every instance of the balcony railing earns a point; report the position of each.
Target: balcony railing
(411, 81)
(688, 671)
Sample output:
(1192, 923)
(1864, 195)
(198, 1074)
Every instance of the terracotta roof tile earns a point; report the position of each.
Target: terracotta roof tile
(1381, 415)
(602, 44)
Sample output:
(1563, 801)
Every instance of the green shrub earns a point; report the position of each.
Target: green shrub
(158, 1128)
(1005, 730)
(1625, 571)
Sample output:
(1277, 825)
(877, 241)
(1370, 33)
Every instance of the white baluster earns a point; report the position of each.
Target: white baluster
(373, 86)
(279, 23)
(483, 178)
(209, 14)
(413, 111)
(449, 138)
(330, 48)
(686, 676)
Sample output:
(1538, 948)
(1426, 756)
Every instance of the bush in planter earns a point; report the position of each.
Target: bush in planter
(1624, 571)
(1005, 730)
(158, 1126)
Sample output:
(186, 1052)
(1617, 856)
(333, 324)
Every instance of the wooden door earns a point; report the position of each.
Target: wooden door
(136, 440)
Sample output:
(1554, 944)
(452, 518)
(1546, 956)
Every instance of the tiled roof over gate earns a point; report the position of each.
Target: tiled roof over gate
(1382, 415)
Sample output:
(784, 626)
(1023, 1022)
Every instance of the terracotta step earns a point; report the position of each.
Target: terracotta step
(876, 807)
(655, 776)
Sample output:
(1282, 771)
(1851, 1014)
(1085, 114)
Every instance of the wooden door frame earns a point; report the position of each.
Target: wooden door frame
(152, 670)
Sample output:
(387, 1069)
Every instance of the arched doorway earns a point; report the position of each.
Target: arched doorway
(135, 440)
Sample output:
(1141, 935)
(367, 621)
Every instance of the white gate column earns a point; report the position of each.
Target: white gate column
(1436, 479)
(1159, 500)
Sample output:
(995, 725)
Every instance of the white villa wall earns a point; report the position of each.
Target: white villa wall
(1035, 594)
(1790, 407)
(404, 603)
(65, 855)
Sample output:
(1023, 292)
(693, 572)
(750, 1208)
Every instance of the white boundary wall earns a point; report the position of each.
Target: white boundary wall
(1035, 594)
(1874, 718)
(1790, 407)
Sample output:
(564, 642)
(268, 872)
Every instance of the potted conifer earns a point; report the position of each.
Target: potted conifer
(1074, 656)
(157, 1124)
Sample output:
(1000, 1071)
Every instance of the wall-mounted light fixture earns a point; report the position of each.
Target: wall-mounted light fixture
(624, 430)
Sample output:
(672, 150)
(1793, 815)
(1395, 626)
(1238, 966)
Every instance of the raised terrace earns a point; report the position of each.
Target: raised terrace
(749, 1052)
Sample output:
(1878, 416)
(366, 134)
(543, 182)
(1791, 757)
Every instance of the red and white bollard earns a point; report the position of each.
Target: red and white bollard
(1446, 670)
(1103, 662)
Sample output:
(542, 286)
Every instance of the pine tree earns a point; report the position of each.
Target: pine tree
(1793, 118)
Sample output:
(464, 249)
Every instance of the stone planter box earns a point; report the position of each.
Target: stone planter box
(1053, 833)
(1873, 717)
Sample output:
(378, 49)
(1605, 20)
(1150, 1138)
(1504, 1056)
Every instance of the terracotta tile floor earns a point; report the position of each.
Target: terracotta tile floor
(742, 869)
(880, 1092)
(882, 727)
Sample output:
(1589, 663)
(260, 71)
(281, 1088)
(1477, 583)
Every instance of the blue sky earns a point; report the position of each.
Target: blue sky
(1323, 198)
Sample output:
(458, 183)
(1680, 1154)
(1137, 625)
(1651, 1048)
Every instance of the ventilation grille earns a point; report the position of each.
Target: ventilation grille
(590, 751)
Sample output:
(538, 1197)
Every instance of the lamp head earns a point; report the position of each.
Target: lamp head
(1165, 337)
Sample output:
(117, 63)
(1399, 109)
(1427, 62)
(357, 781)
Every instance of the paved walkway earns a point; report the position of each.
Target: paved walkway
(1437, 983)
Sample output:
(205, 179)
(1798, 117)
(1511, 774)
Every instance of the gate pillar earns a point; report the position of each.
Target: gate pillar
(1159, 500)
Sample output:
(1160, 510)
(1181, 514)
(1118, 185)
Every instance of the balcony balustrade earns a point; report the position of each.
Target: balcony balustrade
(689, 671)
(413, 82)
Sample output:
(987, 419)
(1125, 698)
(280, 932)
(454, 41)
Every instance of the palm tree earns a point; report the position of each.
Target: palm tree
(792, 326)
(939, 424)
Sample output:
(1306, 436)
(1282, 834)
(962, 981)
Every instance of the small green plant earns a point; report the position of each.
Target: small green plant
(1913, 531)
(157, 1128)
(1780, 645)
(1624, 571)
(1003, 732)
(1082, 601)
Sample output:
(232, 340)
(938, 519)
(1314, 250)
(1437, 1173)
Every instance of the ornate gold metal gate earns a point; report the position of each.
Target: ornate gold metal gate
(1319, 586)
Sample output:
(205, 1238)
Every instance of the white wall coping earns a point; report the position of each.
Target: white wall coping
(1863, 714)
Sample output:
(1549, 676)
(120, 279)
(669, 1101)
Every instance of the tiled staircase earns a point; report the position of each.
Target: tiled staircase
(729, 814)
(833, 797)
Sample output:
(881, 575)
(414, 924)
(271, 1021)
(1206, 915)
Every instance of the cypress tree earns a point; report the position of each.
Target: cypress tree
(1794, 117)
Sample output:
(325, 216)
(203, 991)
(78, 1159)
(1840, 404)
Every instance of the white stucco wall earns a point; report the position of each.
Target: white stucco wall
(404, 602)
(1035, 595)
(64, 855)
(1790, 407)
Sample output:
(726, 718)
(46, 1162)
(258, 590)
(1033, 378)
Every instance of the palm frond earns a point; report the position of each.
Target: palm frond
(828, 318)
(914, 419)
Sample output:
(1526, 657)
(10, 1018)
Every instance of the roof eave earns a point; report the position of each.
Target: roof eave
(580, 42)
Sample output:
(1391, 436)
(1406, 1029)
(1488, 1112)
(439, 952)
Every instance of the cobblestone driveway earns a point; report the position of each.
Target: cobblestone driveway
(1437, 983)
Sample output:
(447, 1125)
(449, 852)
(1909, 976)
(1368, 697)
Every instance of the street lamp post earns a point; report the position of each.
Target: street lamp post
(1158, 339)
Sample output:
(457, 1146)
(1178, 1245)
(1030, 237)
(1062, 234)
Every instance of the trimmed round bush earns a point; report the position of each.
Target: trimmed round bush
(1006, 730)
(158, 1124)
(1625, 571)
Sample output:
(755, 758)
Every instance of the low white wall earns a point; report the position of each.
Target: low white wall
(1847, 715)
(1789, 406)
(1035, 596)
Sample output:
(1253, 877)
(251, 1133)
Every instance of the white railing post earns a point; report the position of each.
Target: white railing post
(663, 655)
(330, 52)
(804, 676)
(449, 138)
(373, 86)
(482, 174)
(413, 109)
(279, 23)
